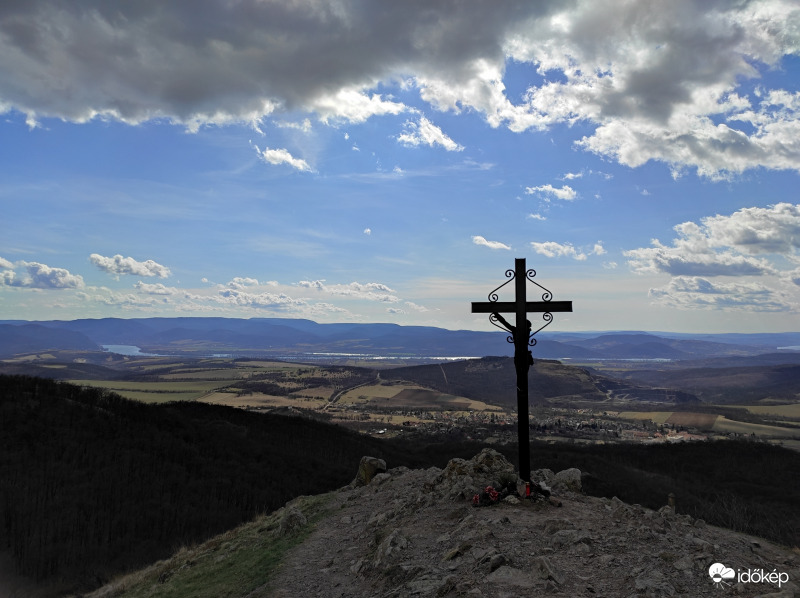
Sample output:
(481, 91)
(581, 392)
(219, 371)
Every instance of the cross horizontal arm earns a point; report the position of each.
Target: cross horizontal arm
(488, 307)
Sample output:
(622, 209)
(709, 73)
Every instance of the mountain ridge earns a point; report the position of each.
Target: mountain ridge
(269, 335)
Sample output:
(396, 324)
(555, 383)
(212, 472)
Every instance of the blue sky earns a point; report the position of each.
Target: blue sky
(386, 162)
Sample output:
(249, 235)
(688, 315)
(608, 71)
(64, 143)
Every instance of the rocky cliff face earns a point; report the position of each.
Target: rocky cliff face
(417, 533)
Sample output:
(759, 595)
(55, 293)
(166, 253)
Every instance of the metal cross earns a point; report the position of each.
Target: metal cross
(522, 340)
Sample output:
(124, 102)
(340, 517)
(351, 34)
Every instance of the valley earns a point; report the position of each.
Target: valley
(471, 399)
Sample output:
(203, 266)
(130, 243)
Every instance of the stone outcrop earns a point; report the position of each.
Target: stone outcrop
(368, 468)
(416, 533)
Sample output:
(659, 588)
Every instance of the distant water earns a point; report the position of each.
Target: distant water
(130, 350)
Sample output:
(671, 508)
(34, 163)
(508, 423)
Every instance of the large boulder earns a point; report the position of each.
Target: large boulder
(462, 478)
(368, 468)
(569, 479)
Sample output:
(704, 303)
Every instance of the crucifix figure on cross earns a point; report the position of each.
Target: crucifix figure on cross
(513, 331)
(523, 358)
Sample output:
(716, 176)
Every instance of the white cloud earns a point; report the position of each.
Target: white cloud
(367, 231)
(371, 291)
(269, 301)
(40, 276)
(692, 292)
(536, 217)
(240, 283)
(5, 264)
(155, 289)
(421, 308)
(478, 240)
(553, 249)
(426, 133)
(724, 245)
(304, 126)
(282, 156)
(353, 105)
(119, 265)
(566, 192)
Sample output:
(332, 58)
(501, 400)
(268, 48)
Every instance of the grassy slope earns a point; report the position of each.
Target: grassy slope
(229, 565)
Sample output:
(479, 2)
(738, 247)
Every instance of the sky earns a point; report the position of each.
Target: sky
(384, 161)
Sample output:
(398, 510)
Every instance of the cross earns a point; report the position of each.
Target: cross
(522, 356)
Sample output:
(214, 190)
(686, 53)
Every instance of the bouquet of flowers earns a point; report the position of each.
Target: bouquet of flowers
(489, 496)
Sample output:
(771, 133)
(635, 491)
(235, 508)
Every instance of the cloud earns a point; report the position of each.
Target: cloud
(536, 217)
(667, 81)
(553, 249)
(282, 156)
(367, 231)
(242, 283)
(426, 133)
(38, 276)
(725, 245)
(371, 291)
(566, 192)
(119, 265)
(478, 240)
(155, 289)
(269, 301)
(693, 292)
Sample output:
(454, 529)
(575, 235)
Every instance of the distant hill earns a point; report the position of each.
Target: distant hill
(181, 336)
(33, 338)
(722, 385)
(493, 380)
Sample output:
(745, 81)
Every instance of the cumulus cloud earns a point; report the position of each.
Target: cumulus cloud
(536, 217)
(647, 80)
(566, 192)
(5, 264)
(725, 245)
(282, 156)
(478, 240)
(367, 231)
(242, 282)
(119, 265)
(39, 276)
(426, 133)
(553, 249)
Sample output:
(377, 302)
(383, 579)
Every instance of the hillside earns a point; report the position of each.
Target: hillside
(92, 484)
(416, 533)
(493, 380)
(722, 385)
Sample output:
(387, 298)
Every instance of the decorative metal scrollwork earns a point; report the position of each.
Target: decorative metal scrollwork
(546, 296)
(493, 296)
(547, 317)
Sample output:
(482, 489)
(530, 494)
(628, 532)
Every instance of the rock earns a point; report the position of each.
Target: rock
(462, 478)
(368, 468)
(544, 569)
(291, 521)
(389, 548)
(653, 583)
(569, 479)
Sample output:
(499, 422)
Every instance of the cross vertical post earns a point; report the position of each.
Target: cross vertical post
(522, 337)
(521, 365)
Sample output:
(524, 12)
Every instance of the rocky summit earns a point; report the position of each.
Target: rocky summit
(428, 533)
